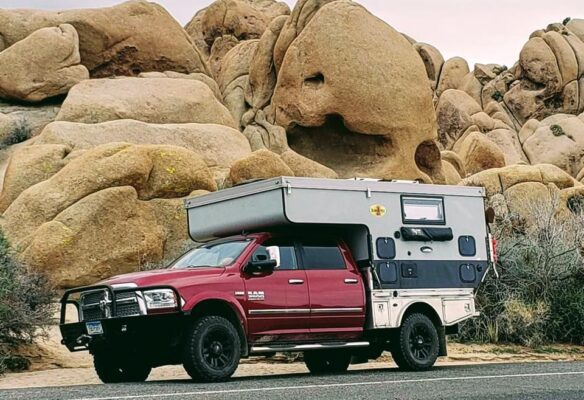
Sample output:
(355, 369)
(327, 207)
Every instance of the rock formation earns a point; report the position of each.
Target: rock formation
(123, 114)
(44, 64)
(127, 39)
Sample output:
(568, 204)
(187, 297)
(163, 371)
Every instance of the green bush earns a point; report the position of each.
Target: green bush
(25, 308)
(557, 130)
(539, 297)
(18, 134)
(497, 96)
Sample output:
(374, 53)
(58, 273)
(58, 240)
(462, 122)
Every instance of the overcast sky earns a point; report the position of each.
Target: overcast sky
(479, 31)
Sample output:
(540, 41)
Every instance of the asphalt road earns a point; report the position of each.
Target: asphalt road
(554, 381)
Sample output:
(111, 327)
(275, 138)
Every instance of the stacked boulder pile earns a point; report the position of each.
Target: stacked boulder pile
(110, 117)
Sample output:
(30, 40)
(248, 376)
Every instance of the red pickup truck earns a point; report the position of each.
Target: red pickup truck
(337, 293)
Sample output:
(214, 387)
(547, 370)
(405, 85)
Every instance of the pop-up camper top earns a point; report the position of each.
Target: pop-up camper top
(417, 236)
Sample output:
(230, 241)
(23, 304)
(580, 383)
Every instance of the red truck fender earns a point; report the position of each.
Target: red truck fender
(214, 296)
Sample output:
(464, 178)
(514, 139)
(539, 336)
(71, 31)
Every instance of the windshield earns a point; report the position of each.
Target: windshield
(212, 255)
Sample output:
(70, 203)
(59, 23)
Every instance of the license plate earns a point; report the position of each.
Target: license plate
(94, 328)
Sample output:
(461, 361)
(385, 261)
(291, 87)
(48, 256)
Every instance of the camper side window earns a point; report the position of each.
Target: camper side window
(423, 210)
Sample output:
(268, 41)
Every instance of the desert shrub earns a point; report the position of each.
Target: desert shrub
(557, 130)
(19, 133)
(566, 20)
(497, 96)
(539, 297)
(25, 308)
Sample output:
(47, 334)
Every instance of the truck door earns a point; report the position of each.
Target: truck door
(337, 294)
(277, 303)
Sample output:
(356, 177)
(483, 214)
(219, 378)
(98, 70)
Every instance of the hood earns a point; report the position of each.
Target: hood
(171, 277)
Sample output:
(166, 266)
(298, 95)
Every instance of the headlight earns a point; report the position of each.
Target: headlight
(160, 298)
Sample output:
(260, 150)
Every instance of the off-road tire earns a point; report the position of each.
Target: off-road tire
(327, 361)
(416, 345)
(112, 368)
(212, 349)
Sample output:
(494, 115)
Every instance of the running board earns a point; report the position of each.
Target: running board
(305, 347)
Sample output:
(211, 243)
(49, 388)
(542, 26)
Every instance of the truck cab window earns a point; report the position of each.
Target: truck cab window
(211, 255)
(322, 255)
(283, 253)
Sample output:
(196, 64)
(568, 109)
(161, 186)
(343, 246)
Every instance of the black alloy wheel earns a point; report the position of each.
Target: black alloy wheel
(218, 350)
(415, 346)
(212, 349)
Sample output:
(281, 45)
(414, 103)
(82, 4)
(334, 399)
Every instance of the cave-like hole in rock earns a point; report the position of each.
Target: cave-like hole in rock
(428, 157)
(346, 152)
(315, 80)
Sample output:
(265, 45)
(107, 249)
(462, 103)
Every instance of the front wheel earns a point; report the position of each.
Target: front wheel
(112, 368)
(416, 345)
(212, 349)
(327, 361)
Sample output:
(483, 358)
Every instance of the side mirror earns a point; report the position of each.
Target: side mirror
(259, 267)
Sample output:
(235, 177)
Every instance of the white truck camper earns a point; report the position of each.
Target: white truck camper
(417, 246)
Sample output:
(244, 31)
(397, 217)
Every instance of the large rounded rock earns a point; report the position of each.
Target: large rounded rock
(549, 77)
(261, 164)
(499, 180)
(508, 142)
(106, 192)
(523, 190)
(576, 26)
(243, 19)
(194, 28)
(558, 141)
(44, 64)
(197, 76)
(67, 251)
(351, 81)
(452, 74)
(233, 76)
(114, 164)
(153, 100)
(456, 112)
(432, 59)
(28, 166)
(262, 74)
(302, 166)
(479, 153)
(219, 146)
(126, 39)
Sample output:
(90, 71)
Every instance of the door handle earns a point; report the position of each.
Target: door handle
(295, 281)
(351, 281)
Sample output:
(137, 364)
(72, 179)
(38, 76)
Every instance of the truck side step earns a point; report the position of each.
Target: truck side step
(304, 347)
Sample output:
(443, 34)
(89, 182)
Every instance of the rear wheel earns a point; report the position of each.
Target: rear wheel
(212, 349)
(416, 345)
(327, 361)
(111, 368)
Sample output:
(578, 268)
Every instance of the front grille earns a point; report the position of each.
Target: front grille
(93, 297)
(93, 313)
(127, 309)
(125, 295)
(97, 305)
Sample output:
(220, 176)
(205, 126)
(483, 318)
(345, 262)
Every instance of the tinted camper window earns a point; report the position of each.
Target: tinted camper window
(423, 210)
